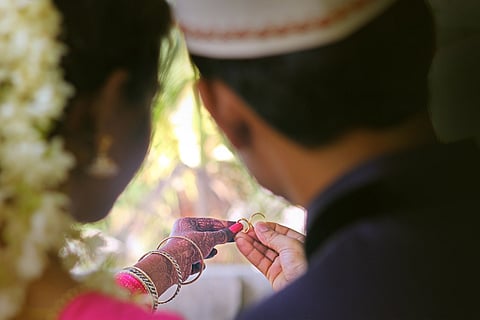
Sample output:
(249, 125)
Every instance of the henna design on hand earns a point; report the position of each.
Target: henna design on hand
(205, 232)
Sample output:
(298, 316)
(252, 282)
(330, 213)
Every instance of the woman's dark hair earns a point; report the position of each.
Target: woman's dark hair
(375, 78)
(104, 35)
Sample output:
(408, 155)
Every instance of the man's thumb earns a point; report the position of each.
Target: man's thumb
(268, 236)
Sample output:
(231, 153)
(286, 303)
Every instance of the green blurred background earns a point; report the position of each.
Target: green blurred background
(190, 170)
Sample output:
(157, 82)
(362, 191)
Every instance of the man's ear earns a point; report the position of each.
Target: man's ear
(228, 110)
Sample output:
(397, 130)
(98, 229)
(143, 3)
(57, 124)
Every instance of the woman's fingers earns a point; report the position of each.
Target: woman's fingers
(201, 224)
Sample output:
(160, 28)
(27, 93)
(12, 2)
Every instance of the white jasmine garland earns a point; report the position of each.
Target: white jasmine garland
(32, 95)
(33, 217)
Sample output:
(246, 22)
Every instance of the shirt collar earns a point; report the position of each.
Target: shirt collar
(361, 175)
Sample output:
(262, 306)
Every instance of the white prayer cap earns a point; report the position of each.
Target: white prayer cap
(257, 28)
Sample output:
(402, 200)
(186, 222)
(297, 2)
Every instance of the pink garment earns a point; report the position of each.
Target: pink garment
(96, 306)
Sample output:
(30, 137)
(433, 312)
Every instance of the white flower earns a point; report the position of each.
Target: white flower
(47, 225)
(32, 95)
(31, 261)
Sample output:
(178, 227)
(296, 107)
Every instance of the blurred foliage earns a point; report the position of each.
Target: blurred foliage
(190, 171)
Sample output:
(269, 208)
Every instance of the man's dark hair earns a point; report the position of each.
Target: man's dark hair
(375, 78)
(104, 35)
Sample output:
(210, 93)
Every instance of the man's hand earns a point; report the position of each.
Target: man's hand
(277, 251)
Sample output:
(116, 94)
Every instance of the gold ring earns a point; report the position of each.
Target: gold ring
(246, 227)
(248, 223)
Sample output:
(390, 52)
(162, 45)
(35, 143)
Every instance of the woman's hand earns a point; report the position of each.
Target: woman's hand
(205, 232)
(277, 251)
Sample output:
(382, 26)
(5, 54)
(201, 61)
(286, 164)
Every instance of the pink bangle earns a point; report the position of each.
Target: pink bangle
(131, 283)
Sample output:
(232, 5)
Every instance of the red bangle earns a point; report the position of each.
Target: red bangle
(131, 283)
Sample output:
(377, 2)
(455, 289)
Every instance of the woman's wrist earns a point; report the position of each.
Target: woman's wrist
(156, 271)
(161, 271)
(152, 275)
(184, 256)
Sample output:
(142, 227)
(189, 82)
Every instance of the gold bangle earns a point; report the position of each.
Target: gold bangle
(147, 283)
(175, 264)
(202, 262)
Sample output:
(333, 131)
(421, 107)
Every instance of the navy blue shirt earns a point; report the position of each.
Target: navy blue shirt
(397, 238)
